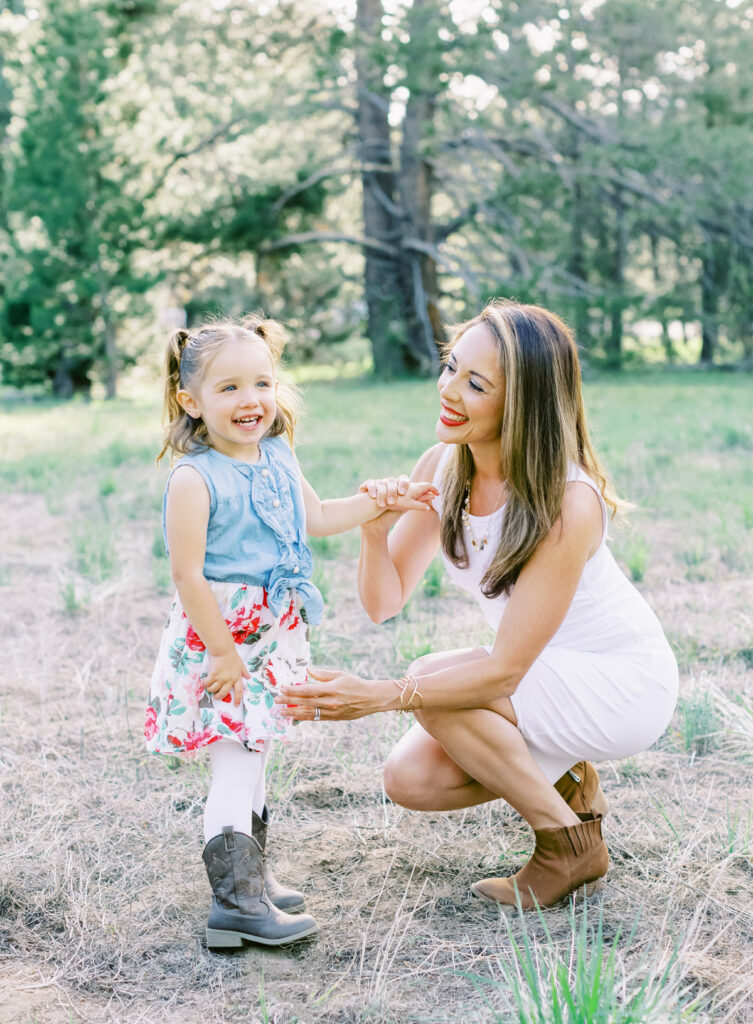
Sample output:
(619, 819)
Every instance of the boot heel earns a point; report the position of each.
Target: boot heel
(589, 889)
(218, 939)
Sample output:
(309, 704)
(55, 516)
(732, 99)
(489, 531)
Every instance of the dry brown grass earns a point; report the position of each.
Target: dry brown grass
(102, 891)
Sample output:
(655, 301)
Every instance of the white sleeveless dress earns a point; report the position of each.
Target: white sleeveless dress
(605, 685)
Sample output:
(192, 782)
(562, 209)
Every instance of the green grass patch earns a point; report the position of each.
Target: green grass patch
(699, 722)
(586, 982)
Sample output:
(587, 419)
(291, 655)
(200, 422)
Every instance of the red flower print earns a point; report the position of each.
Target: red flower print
(174, 740)
(227, 698)
(245, 623)
(270, 676)
(193, 640)
(289, 611)
(195, 688)
(194, 740)
(235, 726)
(150, 725)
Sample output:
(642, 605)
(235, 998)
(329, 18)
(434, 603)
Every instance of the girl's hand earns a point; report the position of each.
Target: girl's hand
(397, 495)
(226, 673)
(387, 490)
(340, 696)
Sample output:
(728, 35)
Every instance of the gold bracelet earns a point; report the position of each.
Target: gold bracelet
(402, 684)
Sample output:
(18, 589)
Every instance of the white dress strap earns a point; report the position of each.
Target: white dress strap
(578, 475)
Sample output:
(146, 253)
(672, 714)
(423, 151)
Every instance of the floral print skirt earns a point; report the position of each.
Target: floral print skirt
(181, 717)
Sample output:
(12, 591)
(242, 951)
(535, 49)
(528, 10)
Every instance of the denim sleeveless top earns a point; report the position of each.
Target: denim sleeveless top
(257, 523)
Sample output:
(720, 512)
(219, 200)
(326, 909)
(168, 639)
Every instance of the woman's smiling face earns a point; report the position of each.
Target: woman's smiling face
(472, 390)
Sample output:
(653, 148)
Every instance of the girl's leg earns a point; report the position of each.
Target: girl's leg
(281, 895)
(260, 792)
(236, 776)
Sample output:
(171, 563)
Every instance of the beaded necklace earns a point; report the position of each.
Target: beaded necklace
(478, 543)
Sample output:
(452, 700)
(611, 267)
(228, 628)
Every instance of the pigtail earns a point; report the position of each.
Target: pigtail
(288, 407)
(181, 431)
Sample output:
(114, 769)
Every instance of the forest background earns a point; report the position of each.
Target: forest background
(367, 171)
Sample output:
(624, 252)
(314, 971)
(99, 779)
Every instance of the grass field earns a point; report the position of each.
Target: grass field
(102, 892)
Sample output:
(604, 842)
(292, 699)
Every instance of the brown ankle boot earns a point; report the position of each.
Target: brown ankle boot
(564, 860)
(580, 789)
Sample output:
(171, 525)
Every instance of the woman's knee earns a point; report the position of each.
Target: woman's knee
(426, 663)
(408, 782)
(399, 780)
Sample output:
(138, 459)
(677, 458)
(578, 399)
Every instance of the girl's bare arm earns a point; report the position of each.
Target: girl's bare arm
(187, 516)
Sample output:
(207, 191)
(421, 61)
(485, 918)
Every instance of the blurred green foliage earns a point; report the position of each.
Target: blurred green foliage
(193, 157)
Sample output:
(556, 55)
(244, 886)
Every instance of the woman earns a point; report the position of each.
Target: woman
(579, 668)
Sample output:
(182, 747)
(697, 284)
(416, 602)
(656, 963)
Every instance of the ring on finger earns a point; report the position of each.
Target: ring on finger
(317, 714)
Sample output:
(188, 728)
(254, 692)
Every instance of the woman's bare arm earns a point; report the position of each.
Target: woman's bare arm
(539, 602)
(392, 561)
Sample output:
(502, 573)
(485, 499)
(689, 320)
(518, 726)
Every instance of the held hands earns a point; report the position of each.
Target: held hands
(339, 696)
(226, 673)
(399, 494)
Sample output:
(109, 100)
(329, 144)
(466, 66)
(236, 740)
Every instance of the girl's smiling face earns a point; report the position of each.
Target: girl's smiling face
(236, 398)
(472, 390)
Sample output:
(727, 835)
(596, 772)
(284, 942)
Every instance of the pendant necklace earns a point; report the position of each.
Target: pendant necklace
(478, 543)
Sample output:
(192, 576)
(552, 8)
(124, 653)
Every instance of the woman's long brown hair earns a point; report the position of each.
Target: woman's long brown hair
(543, 431)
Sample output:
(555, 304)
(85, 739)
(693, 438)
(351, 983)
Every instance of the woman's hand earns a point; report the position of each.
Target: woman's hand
(226, 672)
(396, 495)
(340, 696)
(386, 490)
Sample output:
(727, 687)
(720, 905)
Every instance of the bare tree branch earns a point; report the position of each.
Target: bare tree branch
(208, 140)
(308, 237)
(330, 171)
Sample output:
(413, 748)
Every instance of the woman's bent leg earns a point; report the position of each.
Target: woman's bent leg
(419, 774)
(491, 750)
(455, 759)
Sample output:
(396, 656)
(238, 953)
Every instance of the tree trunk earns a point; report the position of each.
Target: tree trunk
(110, 347)
(417, 186)
(384, 276)
(614, 346)
(578, 265)
(714, 268)
(746, 315)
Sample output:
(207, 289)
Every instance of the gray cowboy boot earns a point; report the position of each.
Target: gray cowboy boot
(282, 897)
(241, 909)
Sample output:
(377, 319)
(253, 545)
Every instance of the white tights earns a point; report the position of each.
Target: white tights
(237, 787)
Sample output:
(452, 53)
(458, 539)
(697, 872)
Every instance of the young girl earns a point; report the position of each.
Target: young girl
(236, 512)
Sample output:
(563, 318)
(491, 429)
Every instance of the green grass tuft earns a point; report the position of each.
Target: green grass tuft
(700, 724)
(587, 983)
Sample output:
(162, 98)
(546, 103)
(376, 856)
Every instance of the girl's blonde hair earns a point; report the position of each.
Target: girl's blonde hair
(187, 356)
(543, 431)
